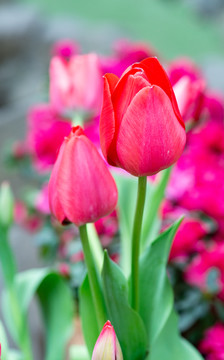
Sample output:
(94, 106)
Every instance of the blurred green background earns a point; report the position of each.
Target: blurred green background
(171, 26)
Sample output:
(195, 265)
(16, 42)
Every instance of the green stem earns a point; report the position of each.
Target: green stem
(136, 237)
(9, 272)
(95, 287)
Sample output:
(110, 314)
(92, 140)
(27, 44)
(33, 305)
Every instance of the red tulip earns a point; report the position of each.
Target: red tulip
(76, 84)
(81, 188)
(141, 129)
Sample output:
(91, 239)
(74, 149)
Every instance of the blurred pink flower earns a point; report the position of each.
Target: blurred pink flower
(189, 95)
(189, 87)
(125, 54)
(65, 48)
(197, 181)
(212, 346)
(46, 132)
(19, 149)
(30, 222)
(198, 271)
(20, 212)
(76, 85)
(64, 269)
(107, 228)
(183, 67)
(42, 202)
(213, 106)
(187, 238)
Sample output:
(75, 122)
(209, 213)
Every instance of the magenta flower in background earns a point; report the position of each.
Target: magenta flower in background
(213, 106)
(189, 88)
(45, 134)
(212, 346)
(42, 202)
(125, 54)
(197, 273)
(187, 238)
(76, 85)
(65, 49)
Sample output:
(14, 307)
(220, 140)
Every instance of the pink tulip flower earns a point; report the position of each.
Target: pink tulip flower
(81, 188)
(76, 85)
(141, 129)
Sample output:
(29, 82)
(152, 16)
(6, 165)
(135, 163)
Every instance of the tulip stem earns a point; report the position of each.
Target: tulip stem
(94, 282)
(136, 237)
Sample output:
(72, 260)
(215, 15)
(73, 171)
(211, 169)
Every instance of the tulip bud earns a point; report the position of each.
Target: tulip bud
(6, 205)
(141, 129)
(81, 188)
(107, 346)
(76, 84)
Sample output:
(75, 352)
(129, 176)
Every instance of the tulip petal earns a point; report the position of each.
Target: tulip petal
(157, 76)
(126, 89)
(107, 119)
(83, 70)
(87, 193)
(59, 83)
(150, 137)
(54, 200)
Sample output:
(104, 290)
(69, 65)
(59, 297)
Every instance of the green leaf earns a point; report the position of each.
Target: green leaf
(3, 342)
(170, 346)
(127, 323)
(56, 304)
(150, 225)
(88, 315)
(14, 355)
(78, 352)
(156, 296)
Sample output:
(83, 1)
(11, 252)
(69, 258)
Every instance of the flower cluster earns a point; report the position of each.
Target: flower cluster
(141, 130)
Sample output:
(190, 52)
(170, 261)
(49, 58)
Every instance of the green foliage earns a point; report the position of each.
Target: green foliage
(170, 26)
(127, 323)
(170, 346)
(156, 297)
(6, 205)
(3, 342)
(151, 224)
(156, 303)
(88, 315)
(78, 352)
(56, 304)
(127, 189)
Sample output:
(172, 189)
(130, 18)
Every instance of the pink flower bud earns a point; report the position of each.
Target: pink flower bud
(81, 188)
(141, 129)
(107, 346)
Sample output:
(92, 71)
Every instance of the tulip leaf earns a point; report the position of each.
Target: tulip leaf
(156, 296)
(88, 315)
(127, 323)
(150, 225)
(170, 346)
(3, 342)
(56, 304)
